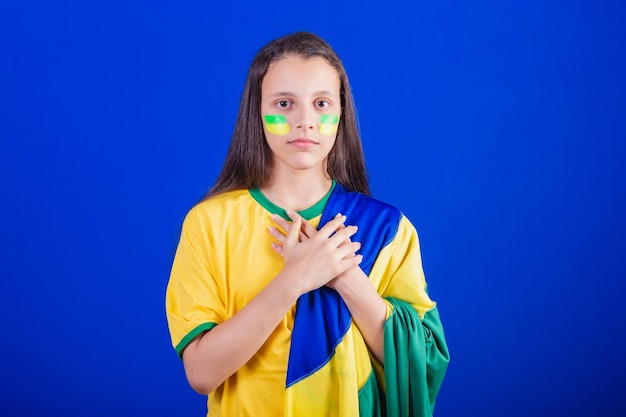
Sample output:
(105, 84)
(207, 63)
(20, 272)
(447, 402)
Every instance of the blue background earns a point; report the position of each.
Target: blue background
(499, 129)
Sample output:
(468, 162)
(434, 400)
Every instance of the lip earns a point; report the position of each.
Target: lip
(303, 143)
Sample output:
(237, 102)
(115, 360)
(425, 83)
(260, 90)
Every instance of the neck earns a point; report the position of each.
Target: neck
(297, 192)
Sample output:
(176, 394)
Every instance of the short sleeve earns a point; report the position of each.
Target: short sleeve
(399, 271)
(193, 301)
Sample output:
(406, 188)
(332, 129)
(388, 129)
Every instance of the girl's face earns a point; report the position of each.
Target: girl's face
(300, 110)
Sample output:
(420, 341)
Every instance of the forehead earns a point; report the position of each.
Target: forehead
(299, 75)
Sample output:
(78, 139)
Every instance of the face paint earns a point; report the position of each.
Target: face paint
(329, 123)
(276, 124)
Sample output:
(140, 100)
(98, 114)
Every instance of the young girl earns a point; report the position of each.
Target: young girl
(292, 292)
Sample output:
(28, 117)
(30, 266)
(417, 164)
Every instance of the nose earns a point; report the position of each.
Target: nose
(306, 119)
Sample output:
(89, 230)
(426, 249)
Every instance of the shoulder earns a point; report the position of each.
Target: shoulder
(378, 222)
(376, 212)
(214, 208)
(363, 204)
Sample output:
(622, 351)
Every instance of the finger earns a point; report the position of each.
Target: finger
(354, 261)
(332, 226)
(277, 248)
(308, 229)
(294, 215)
(281, 222)
(344, 234)
(349, 250)
(284, 224)
(293, 233)
(347, 264)
(345, 241)
(277, 234)
(287, 224)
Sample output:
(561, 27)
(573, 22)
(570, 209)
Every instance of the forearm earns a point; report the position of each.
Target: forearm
(214, 356)
(367, 308)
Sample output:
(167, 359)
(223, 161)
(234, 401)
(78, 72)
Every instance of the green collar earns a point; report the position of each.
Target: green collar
(308, 213)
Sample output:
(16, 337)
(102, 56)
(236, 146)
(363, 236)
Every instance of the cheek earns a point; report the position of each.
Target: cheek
(329, 124)
(276, 124)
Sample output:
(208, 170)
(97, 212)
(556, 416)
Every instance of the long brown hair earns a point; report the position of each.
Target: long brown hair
(248, 160)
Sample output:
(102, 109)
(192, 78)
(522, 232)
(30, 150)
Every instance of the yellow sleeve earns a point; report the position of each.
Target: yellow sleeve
(193, 301)
(398, 272)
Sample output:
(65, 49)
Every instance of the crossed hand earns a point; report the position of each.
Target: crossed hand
(317, 257)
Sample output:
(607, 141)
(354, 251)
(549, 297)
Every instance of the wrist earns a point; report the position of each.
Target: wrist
(344, 283)
(288, 284)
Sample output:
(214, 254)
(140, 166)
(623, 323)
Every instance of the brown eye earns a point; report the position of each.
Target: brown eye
(283, 104)
(322, 104)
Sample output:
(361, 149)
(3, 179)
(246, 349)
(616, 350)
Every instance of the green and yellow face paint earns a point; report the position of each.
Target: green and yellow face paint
(329, 124)
(276, 124)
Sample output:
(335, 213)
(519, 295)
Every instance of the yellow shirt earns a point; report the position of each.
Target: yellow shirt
(224, 259)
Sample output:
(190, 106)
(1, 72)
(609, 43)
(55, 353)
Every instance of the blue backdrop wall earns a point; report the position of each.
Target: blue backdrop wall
(499, 129)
